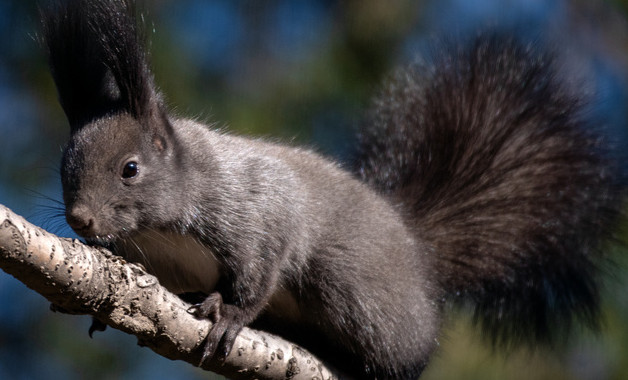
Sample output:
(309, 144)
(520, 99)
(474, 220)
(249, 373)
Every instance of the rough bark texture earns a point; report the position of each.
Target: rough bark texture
(79, 279)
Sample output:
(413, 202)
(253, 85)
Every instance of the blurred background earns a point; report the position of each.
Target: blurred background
(301, 71)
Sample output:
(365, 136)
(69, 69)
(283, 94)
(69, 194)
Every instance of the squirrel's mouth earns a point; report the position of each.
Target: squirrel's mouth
(102, 240)
(107, 240)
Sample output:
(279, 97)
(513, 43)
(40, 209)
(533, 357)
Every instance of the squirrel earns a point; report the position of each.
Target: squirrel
(477, 179)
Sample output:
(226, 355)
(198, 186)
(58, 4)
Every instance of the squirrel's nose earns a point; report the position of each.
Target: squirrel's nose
(81, 221)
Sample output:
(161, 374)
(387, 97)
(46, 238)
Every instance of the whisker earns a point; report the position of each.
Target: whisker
(38, 194)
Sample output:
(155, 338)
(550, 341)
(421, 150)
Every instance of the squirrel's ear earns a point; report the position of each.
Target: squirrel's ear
(159, 127)
(97, 59)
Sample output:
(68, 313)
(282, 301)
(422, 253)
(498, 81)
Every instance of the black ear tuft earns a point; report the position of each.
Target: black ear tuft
(97, 59)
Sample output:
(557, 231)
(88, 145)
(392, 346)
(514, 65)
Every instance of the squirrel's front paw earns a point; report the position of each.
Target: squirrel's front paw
(209, 308)
(227, 323)
(96, 325)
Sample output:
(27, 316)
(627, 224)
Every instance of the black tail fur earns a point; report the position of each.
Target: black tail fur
(510, 185)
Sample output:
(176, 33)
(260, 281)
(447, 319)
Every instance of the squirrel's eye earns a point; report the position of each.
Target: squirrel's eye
(130, 170)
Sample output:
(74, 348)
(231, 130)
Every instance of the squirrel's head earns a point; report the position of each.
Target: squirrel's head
(116, 164)
(116, 177)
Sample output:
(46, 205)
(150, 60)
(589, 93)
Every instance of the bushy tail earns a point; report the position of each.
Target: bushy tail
(507, 182)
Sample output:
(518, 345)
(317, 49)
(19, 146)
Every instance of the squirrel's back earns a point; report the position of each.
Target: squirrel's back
(509, 183)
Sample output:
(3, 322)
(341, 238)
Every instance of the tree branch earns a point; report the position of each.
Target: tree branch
(80, 279)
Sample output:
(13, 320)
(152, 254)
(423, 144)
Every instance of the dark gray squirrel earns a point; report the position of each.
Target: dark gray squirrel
(478, 179)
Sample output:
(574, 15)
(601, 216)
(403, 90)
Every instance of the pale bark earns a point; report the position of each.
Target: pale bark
(80, 279)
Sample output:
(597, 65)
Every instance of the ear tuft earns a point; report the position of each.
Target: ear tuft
(97, 59)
